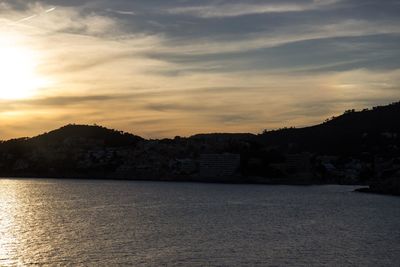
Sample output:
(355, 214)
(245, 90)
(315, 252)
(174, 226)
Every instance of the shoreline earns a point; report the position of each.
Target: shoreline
(370, 190)
(362, 188)
(179, 180)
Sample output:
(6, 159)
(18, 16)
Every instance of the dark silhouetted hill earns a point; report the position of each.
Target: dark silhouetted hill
(65, 151)
(349, 133)
(74, 132)
(78, 134)
(353, 148)
(224, 136)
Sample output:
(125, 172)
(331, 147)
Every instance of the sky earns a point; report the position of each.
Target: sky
(161, 68)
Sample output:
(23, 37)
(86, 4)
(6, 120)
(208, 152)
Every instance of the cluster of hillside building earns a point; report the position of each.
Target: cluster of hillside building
(209, 159)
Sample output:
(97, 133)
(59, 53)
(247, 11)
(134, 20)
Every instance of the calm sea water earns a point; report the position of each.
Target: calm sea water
(108, 223)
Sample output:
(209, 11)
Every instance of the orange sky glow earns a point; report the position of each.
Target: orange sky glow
(160, 74)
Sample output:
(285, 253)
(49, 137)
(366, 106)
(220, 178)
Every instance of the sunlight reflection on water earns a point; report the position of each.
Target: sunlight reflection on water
(61, 222)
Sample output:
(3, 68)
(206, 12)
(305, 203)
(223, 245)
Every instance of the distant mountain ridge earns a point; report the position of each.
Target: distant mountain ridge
(353, 148)
(353, 123)
(350, 132)
(110, 137)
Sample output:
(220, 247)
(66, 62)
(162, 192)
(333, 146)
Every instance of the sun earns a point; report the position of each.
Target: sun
(18, 73)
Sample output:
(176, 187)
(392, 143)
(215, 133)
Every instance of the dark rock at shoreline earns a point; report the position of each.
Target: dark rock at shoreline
(388, 186)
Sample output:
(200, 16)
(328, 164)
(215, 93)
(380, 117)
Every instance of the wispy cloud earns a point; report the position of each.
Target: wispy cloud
(129, 65)
(241, 9)
(121, 12)
(40, 13)
(292, 34)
